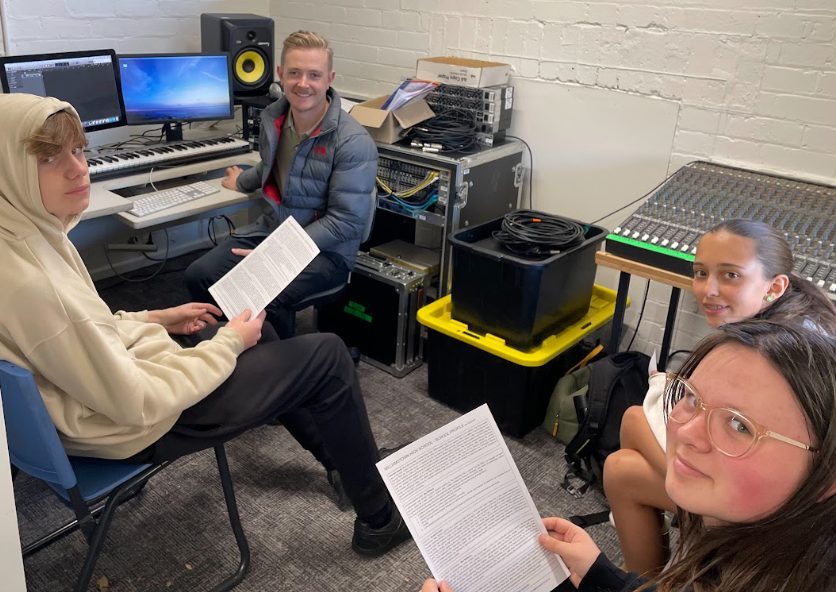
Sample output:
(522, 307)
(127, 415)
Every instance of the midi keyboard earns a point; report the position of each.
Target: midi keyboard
(120, 164)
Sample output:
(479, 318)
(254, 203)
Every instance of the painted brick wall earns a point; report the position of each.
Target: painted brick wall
(128, 26)
(756, 82)
(755, 79)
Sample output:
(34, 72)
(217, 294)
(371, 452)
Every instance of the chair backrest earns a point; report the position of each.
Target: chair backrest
(34, 445)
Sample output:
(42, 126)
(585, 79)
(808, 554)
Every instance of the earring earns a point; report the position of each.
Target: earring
(769, 297)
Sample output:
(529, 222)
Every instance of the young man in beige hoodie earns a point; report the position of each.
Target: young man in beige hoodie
(118, 385)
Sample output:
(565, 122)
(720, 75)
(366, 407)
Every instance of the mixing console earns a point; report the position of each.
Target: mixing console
(665, 230)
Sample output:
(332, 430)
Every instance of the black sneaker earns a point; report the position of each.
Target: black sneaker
(384, 452)
(336, 482)
(373, 542)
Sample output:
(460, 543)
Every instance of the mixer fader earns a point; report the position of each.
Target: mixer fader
(665, 230)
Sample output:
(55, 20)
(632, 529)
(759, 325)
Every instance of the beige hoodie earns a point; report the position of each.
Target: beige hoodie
(113, 384)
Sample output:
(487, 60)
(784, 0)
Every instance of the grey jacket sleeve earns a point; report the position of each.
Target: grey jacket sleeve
(349, 190)
(250, 179)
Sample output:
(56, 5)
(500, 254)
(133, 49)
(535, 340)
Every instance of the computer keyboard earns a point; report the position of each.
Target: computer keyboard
(168, 198)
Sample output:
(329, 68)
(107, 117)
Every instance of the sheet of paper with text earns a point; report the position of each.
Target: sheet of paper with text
(264, 273)
(469, 511)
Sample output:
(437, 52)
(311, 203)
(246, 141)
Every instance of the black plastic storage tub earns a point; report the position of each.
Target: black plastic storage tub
(520, 300)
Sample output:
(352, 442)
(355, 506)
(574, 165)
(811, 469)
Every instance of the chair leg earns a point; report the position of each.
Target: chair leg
(235, 522)
(101, 528)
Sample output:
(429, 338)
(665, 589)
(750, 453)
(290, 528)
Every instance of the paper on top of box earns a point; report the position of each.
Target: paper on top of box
(463, 71)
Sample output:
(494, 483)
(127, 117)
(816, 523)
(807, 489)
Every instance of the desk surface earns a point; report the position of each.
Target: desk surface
(642, 270)
(104, 202)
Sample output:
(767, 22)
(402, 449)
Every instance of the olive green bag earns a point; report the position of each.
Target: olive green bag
(562, 421)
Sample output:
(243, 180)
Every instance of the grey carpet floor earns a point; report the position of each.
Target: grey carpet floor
(175, 534)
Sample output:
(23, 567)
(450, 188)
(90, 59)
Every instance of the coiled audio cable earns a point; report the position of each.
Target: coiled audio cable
(536, 234)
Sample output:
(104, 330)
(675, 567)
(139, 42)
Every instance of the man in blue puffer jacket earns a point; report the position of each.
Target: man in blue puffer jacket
(317, 165)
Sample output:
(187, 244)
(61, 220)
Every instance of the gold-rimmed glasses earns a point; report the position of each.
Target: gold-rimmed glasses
(731, 432)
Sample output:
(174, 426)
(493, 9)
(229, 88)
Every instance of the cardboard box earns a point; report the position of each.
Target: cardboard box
(389, 126)
(463, 72)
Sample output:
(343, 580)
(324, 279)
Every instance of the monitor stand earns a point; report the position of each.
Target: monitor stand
(173, 132)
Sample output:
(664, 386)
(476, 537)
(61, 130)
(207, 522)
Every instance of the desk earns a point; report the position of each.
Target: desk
(628, 268)
(104, 202)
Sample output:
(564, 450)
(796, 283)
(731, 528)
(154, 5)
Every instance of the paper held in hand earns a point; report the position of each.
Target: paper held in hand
(469, 510)
(264, 273)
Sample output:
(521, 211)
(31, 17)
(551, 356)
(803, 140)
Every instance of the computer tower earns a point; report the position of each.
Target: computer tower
(251, 108)
(248, 38)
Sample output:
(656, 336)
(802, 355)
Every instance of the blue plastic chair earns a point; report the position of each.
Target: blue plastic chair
(84, 483)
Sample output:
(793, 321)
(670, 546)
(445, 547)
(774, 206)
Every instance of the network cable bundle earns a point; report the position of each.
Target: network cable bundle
(409, 186)
(488, 109)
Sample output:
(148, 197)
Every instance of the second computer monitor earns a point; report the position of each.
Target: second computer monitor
(85, 79)
(176, 88)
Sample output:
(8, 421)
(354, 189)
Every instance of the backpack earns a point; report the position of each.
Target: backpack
(615, 383)
(568, 400)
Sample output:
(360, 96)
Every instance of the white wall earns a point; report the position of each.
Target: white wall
(2, 29)
(754, 80)
(11, 561)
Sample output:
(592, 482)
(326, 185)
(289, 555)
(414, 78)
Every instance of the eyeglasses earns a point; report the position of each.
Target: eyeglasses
(731, 432)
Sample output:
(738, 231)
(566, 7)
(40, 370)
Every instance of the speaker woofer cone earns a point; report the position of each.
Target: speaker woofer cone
(250, 67)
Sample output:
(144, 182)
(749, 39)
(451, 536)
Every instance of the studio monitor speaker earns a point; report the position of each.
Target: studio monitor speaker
(248, 38)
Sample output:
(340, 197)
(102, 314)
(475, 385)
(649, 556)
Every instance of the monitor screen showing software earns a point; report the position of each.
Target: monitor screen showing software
(88, 80)
(176, 87)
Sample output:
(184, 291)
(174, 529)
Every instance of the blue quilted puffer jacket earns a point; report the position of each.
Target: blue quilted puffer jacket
(329, 183)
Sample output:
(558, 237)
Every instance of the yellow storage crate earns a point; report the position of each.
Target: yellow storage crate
(467, 369)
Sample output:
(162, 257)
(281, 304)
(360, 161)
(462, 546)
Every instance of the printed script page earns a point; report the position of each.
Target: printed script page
(264, 273)
(469, 510)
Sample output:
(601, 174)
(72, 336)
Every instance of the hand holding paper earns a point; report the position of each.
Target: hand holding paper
(248, 326)
(574, 545)
(469, 511)
(266, 271)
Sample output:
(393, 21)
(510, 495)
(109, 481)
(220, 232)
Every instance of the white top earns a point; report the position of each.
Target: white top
(654, 407)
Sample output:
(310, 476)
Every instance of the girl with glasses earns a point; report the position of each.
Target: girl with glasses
(751, 467)
(742, 269)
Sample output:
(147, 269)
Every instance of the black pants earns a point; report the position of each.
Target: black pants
(312, 374)
(327, 270)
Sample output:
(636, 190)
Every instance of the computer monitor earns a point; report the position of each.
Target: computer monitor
(88, 80)
(176, 88)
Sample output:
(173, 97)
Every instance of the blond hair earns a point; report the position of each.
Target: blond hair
(307, 40)
(60, 130)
